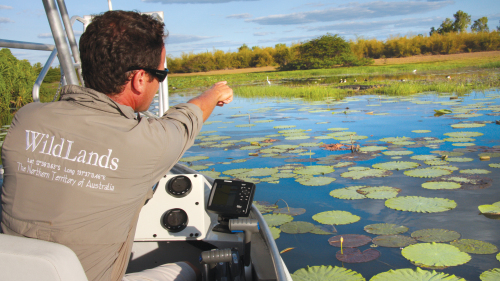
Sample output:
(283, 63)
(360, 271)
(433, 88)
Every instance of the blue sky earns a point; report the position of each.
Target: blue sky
(204, 25)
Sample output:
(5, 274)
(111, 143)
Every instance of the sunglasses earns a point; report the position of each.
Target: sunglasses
(159, 74)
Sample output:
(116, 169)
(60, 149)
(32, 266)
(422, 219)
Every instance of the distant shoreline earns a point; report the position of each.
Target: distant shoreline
(494, 55)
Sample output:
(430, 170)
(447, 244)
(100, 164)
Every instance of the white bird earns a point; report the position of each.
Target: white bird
(268, 82)
(345, 81)
(414, 71)
(448, 77)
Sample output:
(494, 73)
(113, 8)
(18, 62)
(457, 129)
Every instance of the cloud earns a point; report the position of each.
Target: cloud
(354, 11)
(49, 35)
(5, 20)
(262, 33)
(239, 16)
(193, 1)
(363, 27)
(3, 7)
(179, 38)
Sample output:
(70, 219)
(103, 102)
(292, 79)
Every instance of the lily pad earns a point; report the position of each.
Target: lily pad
(265, 207)
(354, 255)
(367, 173)
(435, 235)
(296, 227)
(405, 274)
(441, 185)
(424, 157)
(397, 152)
(472, 246)
(421, 131)
(212, 174)
(258, 172)
(490, 275)
(463, 134)
(336, 217)
(394, 241)
(396, 165)
(324, 229)
(372, 148)
(275, 232)
(379, 192)
(420, 204)
(349, 193)
(193, 158)
(290, 211)
(314, 170)
(435, 255)
(427, 173)
(349, 240)
(385, 229)
(459, 159)
(467, 125)
(277, 219)
(315, 181)
(493, 209)
(326, 273)
(494, 165)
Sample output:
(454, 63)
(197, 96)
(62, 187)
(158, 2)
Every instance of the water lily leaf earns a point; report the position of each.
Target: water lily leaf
(198, 167)
(435, 255)
(354, 255)
(420, 204)
(193, 158)
(285, 146)
(403, 142)
(463, 134)
(396, 165)
(284, 127)
(277, 219)
(326, 273)
(314, 170)
(337, 129)
(349, 193)
(467, 125)
(264, 207)
(372, 148)
(297, 138)
(493, 209)
(397, 152)
(468, 181)
(250, 147)
(336, 217)
(421, 131)
(212, 174)
(459, 139)
(311, 144)
(494, 165)
(490, 275)
(358, 168)
(427, 173)
(258, 172)
(424, 157)
(475, 171)
(435, 235)
(343, 164)
(491, 155)
(234, 172)
(393, 139)
(440, 112)
(379, 192)
(472, 246)
(296, 227)
(385, 229)
(290, 211)
(437, 162)
(256, 139)
(498, 256)
(245, 125)
(324, 229)
(404, 274)
(441, 185)
(367, 173)
(394, 241)
(264, 121)
(349, 240)
(275, 232)
(315, 181)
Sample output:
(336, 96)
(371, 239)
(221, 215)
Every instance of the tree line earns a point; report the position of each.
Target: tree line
(333, 51)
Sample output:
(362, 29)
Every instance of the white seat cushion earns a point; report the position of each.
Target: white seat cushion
(27, 259)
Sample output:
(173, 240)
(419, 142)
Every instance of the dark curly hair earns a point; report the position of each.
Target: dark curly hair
(116, 41)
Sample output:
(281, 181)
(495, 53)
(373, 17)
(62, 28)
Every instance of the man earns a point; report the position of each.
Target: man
(78, 171)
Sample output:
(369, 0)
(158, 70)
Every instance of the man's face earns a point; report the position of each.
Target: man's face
(152, 87)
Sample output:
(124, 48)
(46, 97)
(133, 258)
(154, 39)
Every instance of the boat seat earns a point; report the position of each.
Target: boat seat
(28, 259)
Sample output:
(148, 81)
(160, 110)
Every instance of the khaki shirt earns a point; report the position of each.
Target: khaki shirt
(78, 171)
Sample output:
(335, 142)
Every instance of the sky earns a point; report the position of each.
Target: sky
(205, 25)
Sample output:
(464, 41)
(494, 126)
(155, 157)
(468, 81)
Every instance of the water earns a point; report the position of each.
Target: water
(398, 117)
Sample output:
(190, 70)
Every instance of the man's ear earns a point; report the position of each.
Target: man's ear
(138, 82)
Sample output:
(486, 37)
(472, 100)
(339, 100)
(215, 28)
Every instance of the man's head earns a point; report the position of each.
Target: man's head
(115, 42)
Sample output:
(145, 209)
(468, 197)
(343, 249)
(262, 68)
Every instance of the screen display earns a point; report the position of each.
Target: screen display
(225, 195)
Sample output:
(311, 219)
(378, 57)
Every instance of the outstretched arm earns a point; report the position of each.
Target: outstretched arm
(218, 95)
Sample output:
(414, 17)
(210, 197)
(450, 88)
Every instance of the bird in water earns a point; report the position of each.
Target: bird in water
(268, 82)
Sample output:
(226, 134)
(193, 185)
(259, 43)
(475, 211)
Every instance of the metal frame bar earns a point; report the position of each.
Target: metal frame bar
(26, 45)
(60, 40)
